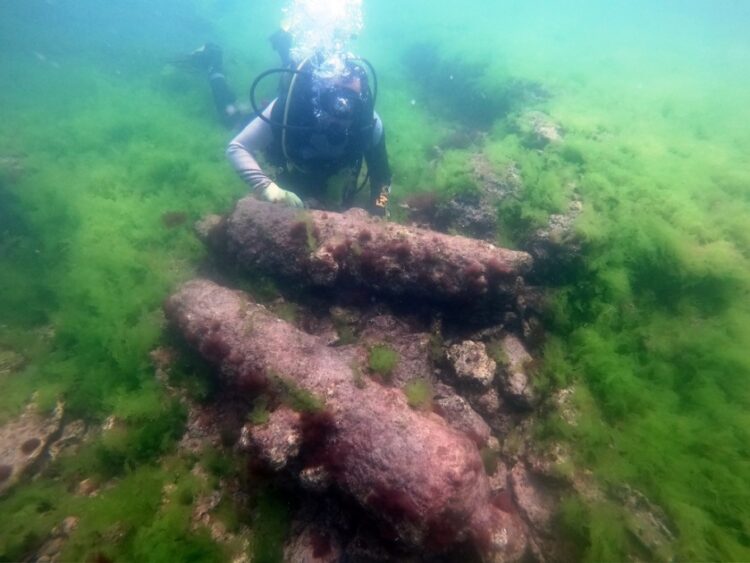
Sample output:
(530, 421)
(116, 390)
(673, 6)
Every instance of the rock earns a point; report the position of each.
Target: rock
(201, 430)
(204, 506)
(346, 322)
(408, 469)
(315, 479)
(313, 544)
(471, 364)
(461, 138)
(116, 532)
(496, 185)
(556, 248)
(277, 441)
(73, 435)
(474, 213)
(648, 523)
(499, 480)
(112, 423)
(488, 403)
(412, 348)
(24, 441)
(459, 414)
(52, 548)
(563, 401)
(354, 249)
(163, 357)
(204, 515)
(535, 500)
(469, 214)
(69, 524)
(209, 229)
(87, 488)
(514, 380)
(493, 409)
(553, 461)
(10, 361)
(539, 130)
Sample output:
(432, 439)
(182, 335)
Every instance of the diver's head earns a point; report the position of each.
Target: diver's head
(342, 103)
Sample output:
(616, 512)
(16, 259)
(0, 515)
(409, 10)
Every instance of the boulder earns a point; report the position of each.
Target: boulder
(70, 440)
(471, 364)
(277, 441)
(458, 413)
(648, 523)
(24, 441)
(514, 378)
(51, 550)
(412, 348)
(556, 248)
(539, 130)
(535, 500)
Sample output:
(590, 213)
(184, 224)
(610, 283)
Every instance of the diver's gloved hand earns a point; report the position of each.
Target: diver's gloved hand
(275, 194)
(379, 207)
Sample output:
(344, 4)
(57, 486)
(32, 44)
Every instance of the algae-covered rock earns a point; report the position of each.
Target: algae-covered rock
(70, 440)
(10, 361)
(556, 247)
(535, 499)
(514, 377)
(278, 441)
(459, 414)
(51, 550)
(404, 351)
(539, 130)
(24, 441)
(471, 363)
(648, 523)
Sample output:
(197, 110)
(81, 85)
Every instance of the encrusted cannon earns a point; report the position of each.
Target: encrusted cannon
(408, 468)
(329, 249)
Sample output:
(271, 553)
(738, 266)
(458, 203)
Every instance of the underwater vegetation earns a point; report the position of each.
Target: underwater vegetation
(382, 360)
(101, 182)
(419, 394)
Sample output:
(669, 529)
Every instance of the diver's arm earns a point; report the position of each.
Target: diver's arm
(378, 168)
(248, 143)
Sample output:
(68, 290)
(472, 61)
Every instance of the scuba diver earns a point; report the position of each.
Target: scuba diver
(319, 130)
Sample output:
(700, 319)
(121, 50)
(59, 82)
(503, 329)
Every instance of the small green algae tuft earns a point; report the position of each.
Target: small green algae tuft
(294, 396)
(419, 394)
(382, 360)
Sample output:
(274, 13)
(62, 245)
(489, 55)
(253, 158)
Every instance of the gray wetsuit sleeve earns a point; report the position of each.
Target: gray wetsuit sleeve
(244, 148)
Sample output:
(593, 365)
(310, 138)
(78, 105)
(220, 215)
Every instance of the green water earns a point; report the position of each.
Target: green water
(652, 329)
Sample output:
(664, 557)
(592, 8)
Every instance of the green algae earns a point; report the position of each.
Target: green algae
(260, 413)
(419, 394)
(382, 360)
(129, 514)
(271, 525)
(294, 396)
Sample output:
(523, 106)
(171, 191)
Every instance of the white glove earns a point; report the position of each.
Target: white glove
(275, 194)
